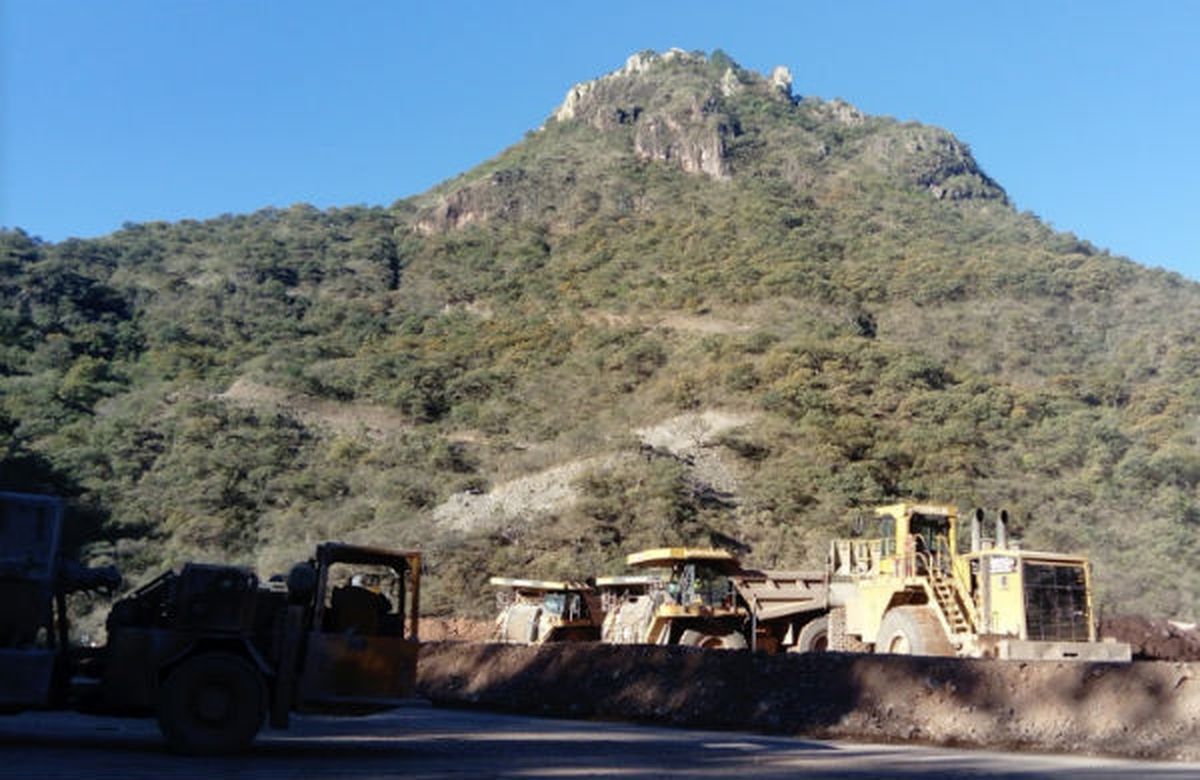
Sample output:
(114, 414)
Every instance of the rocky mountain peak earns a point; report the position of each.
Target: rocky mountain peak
(673, 103)
(705, 115)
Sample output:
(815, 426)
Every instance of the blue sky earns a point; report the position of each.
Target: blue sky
(1088, 113)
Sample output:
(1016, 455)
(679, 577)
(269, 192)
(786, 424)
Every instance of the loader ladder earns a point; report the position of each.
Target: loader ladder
(946, 596)
(957, 610)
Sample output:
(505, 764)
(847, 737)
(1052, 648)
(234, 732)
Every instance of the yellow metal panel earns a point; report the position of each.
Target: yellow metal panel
(1007, 596)
(629, 581)
(867, 603)
(340, 667)
(541, 585)
(668, 556)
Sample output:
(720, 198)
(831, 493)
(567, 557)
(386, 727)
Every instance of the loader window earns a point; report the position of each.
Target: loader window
(364, 600)
(358, 609)
(887, 532)
(929, 527)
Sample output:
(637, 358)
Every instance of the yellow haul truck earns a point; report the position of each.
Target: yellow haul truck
(704, 598)
(914, 590)
(533, 612)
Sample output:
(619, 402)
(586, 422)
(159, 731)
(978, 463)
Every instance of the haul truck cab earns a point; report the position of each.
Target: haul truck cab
(540, 611)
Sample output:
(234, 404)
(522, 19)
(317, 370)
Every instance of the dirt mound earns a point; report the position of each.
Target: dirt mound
(1154, 638)
(1144, 709)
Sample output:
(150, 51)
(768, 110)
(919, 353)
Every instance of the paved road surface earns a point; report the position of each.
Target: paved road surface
(425, 742)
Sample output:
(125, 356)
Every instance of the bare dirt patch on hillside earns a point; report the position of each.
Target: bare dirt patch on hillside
(693, 439)
(690, 437)
(703, 324)
(1143, 709)
(338, 417)
(523, 498)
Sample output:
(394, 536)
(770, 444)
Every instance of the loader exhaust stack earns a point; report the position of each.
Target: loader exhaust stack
(1002, 530)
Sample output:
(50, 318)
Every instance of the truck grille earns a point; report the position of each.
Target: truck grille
(1056, 604)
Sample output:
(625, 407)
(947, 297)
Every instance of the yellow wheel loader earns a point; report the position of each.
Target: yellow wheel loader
(918, 588)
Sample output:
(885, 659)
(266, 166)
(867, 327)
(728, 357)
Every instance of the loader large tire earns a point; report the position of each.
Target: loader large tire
(210, 704)
(814, 637)
(912, 630)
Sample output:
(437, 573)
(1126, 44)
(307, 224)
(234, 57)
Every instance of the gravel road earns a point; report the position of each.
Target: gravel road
(427, 742)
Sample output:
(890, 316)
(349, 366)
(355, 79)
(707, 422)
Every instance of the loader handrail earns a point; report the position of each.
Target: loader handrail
(961, 571)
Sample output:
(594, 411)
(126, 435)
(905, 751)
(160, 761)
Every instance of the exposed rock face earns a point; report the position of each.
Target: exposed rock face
(781, 79)
(730, 84)
(685, 128)
(686, 110)
(695, 142)
(477, 203)
(934, 160)
(580, 94)
(844, 113)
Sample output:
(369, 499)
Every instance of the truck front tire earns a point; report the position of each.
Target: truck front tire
(212, 703)
(912, 630)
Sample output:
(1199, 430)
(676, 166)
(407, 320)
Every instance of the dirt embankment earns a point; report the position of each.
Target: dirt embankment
(1144, 709)
(455, 629)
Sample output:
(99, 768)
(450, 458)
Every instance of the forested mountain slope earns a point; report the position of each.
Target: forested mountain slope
(691, 304)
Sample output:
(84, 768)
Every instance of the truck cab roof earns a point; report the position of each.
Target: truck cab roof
(666, 557)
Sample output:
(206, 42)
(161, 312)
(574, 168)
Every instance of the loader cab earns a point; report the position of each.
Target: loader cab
(917, 536)
(360, 635)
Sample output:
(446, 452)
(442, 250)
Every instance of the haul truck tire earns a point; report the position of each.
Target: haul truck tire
(814, 637)
(212, 703)
(731, 641)
(734, 641)
(912, 630)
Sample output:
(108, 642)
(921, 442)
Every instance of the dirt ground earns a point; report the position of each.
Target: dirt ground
(1144, 709)
(1154, 638)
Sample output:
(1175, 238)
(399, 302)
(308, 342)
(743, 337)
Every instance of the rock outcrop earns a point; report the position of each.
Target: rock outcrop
(685, 127)
(689, 111)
